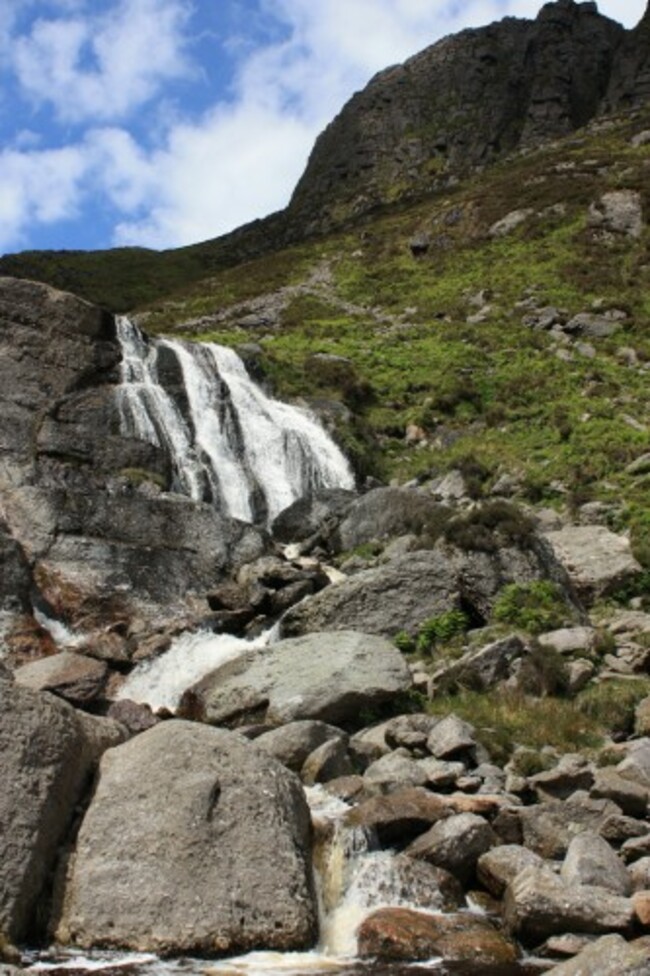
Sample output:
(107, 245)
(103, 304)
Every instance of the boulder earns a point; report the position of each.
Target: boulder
(548, 828)
(78, 679)
(538, 904)
(596, 559)
(499, 866)
(618, 212)
(572, 773)
(452, 737)
(384, 513)
(47, 754)
(455, 844)
(313, 515)
(483, 668)
(631, 797)
(399, 817)
(569, 640)
(639, 874)
(401, 934)
(221, 865)
(395, 771)
(330, 677)
(609, 956)
(292, 743)
(328, 761)
(591, 861)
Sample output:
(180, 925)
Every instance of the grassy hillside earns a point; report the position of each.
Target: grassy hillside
(393, 344)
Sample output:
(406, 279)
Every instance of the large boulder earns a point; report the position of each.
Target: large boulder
(194, 842)
(47, 753)
(385, 513)
(78, 679)
(596, 559)
(609, 956)
(331, 677)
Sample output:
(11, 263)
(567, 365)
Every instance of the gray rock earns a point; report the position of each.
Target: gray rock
(455, 844)
(609, 956)
(483, 668)
(47, 751)
(572, 773)
(315, 515)
(395, 771)
(499, 866)
(386, 513)
(331, 677)
(400, 816)
(195, 841)
(639, 874)
(597, 560)
(569, 640)
(618, 212)
(410, 731)
(591, 861)
(290, 744)
(579, 674)
(592, 326)
(509, 223)
(76, 678)
(538, 904)
(451, 737)
(631, 797)
(548, 828)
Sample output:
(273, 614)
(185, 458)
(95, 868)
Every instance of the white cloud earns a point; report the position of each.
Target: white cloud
(103, 66)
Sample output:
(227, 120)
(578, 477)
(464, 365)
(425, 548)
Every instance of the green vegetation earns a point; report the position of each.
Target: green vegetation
(535, 607)
(440, 630)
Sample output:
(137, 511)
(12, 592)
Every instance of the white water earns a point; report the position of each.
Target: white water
(233, 445)
(161, 682)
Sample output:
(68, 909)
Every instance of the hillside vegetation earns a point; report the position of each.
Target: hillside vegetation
(424, 363)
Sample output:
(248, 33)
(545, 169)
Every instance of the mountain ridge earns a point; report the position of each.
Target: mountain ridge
(514, 84)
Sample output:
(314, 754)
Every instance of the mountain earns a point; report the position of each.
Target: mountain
(460, 105)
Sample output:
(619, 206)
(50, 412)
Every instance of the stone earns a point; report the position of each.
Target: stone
(329, 677)
(485, 667)
(78, 679)
(499, 866)
(591, 861)
(639, 874)
(641, 903)
(136, 717)
(609, 956)
(395, 771)
(592, 326)
(510, 222)
(636, 848)
(386, 513)
(328, 761)
(194, 842)
(411, 731)
(400, 816)
(451, 737)
(455, 844)
(579, 674)
(405, 881)
(47, 752)
(631, 797)
(292, 743)
(640, 465)
(596, 559)
(618, 212)
(538, 904)
(572, 773)
(398, 934)
(548, 828)
(569, 640)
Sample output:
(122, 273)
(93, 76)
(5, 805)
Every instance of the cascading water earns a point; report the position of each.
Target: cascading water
(229, 443)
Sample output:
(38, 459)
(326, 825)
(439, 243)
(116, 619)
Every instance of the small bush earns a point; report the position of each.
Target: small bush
(437, 630)
(543, 672)
(612, 704)
(535, 607)
(404, 642)
(491, 527)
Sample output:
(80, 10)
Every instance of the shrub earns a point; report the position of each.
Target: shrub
(404, 642)
(543, 672)
(612, 704)
(490, 527)
(440, 629)
(535, 607)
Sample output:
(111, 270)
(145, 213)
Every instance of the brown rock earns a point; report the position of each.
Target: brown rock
(400, 816)
(403, 934)
(78, 679)
(641, 902)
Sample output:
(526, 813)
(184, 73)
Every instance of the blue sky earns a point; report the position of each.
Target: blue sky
(164, 122)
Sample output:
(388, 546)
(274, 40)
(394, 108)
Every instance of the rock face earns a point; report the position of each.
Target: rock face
(47, 751)
(193, 842)
(328, 677)
(75, 522)
(466, 100)
(596, 559)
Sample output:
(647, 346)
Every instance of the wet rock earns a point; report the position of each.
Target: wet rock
(403, 934)
(47, 753)
(330, 677)
(538, 904)
(609, 956)
(455, 844)
(499, 866)
(400, 816)
(78, 679)
(292, 743)
(328, 761)
(221, 866)
(591, 861)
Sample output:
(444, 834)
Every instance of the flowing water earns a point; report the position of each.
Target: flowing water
(229, 443)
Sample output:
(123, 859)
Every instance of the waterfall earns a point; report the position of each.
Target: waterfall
(229, 443)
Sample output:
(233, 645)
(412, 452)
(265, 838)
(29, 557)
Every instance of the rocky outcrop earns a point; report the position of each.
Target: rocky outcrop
(77, 500)
(194, 842)
(47, 752)
(330, 677)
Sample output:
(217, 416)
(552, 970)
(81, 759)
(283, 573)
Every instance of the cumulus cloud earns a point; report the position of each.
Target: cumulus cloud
(103, 66)
(201, 175)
